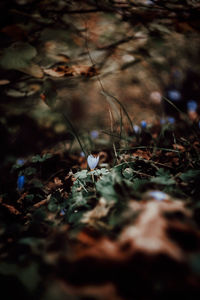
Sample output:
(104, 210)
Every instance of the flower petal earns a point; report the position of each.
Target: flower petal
(92, 161)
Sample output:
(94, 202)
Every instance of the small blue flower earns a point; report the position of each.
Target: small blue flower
(174, 95)
(136, 129)
(171, 120)
(20, 182)
(158, 195)
(94, 134)
(162, 121)
(192, 105)
(143, 124)
(82, 154)
(62, 212)
(92, 161)
(20, 162)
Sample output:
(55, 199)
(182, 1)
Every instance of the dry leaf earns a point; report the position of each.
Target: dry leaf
(12, 209)
(179, 147)
(143, 154)
(184, 27)
(88, 71)
(148, 233)
(79, 70)
(55, 72)
(38, 204)
(4, 82)
(54, 185)
(23, 196)
(101, 210)
(33, 70)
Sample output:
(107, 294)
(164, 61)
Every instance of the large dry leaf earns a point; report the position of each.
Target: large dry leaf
(148, 234)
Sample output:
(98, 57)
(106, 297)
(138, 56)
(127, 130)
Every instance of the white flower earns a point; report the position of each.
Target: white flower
(92, 161)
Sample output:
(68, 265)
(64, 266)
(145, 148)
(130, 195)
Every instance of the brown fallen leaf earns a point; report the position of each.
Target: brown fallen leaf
(143, 154)
(38, 204)
(179, 147)
(80, 70)
(83, 70)
(55, 72)
(12, 209)
(54, 185)
(4, 81)
(184, 27)
(148, 233)
(23, 196)
(174, 158)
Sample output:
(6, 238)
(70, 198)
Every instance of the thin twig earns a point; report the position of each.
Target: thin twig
(172, 104)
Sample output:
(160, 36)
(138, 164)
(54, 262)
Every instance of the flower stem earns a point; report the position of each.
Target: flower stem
(92, 174)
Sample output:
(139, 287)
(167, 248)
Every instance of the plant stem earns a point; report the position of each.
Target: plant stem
(74, 133)
(92, 174)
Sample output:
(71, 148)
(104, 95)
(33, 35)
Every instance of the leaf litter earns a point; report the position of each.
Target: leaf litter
(93, 230)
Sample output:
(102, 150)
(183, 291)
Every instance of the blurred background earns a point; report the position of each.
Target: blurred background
(66, 57)
(119, 75)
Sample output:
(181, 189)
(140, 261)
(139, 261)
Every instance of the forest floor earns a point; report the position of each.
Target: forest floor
(115, 80)
(129, 229)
